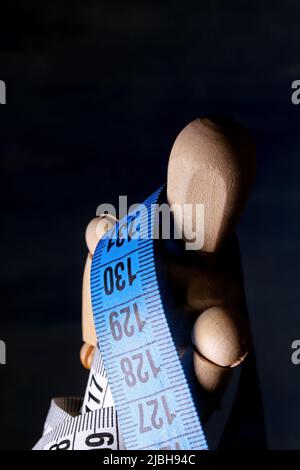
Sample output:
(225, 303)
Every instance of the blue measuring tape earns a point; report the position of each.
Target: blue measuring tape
(154, 404)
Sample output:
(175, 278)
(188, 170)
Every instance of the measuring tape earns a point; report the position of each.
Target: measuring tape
(150, 391)
(137, 396)
(84, 424)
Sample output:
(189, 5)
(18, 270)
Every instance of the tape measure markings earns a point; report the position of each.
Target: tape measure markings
(98, 427)
(66, 429)
(135, 258)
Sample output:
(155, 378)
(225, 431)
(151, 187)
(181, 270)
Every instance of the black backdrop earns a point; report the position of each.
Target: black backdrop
(96, 93)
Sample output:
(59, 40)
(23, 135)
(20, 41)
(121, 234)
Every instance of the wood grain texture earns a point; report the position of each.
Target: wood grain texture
(212, 162)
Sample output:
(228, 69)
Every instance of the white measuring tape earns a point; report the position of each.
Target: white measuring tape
(84, 424)
(146, 382)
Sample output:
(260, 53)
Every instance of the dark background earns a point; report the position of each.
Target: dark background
(97, 91)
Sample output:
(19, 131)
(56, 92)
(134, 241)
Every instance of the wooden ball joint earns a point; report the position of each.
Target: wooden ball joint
(212, 162)
(220, 340)
(94, 231)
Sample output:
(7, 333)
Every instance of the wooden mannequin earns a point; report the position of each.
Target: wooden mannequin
(212, 162)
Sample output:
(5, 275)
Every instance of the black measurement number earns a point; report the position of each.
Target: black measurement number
(132, 368)
(93, 440)
(92, 395)
(118, 277)
(120, 322)
(125, 231)
(160, 415)
(98, 439)
(62, 445)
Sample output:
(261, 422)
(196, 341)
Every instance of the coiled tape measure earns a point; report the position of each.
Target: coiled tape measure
(144, 401)
(88, 424)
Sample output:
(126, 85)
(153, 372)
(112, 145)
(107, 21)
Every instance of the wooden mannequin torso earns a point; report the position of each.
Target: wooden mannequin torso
(212, 162)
